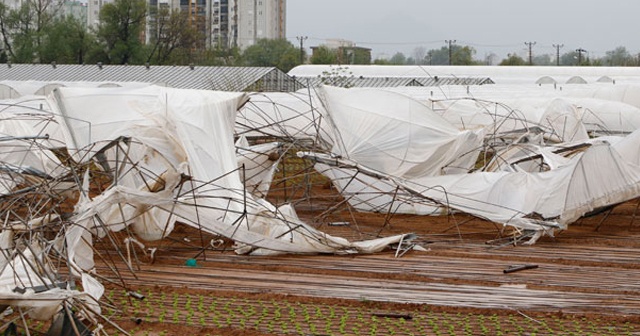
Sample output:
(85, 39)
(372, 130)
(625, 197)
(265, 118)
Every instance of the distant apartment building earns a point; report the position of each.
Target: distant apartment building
(77, 8)
(224, 23)
(197, 12)
(152, 28)
(258, 19)
(93, 11)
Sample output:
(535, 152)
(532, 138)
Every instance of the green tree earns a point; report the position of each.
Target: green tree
(278, 53)
(438, 56)
(173, 39)
(121, 25)
(398, 59)
(323, 55)
(353, 55)
(460, 55)
(463, 55)
(545, 59)
(68, 41)
(22, 35)
(513, 59)
(25, 29)
(219, 56)
(571, 58)
(618, 57)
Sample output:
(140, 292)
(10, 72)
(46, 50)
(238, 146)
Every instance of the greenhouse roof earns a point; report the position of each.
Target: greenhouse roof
(498, 74)
(186, 77)
(393, 81)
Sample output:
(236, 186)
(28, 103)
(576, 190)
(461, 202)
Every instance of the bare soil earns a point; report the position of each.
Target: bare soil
(582, 281)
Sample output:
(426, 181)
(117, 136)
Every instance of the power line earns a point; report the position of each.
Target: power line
(530, 45)
(558, 46)
(450, 52)
(580, 51)
(302, 39)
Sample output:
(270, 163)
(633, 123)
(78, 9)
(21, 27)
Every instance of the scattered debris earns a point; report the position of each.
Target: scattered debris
(517, 268)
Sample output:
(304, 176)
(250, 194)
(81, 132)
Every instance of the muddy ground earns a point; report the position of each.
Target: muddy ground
(584, 280)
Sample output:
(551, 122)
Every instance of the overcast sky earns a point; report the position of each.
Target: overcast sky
(498, 26)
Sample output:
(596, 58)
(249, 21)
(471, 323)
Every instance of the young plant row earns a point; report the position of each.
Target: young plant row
(289, 317)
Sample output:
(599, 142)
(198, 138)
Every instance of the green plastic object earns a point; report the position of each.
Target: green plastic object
(191, 263)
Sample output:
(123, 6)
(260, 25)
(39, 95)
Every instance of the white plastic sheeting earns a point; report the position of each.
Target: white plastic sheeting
(295, 116)
(396, 135)
(600, 174)
(26, 282)
(598, 177)
(557, 119)
(510, 75)
(370, 191)
(15, 89)
(602, 108)
(27, 132)
(258, 164)
(177, 133)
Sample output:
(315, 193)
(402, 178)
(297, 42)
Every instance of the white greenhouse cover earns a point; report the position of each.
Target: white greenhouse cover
(183, 132)
(604, 174)
(498, 74)
(558, 119)
(256, 166)
(602, 108)
(397, 135)
(36, 292)
(288, 115)
(28, 131)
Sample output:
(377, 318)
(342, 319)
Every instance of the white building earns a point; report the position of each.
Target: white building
(93, 11)
(258, 19)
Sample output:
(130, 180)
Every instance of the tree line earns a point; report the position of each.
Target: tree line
(465, 55)
(37, 32)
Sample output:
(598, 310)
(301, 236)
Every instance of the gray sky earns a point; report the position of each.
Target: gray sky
(499, 26)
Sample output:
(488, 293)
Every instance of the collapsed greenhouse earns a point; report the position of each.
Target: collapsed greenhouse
(84, 164)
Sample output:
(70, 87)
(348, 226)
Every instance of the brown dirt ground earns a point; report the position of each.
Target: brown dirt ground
(606, 241)
(458, 237)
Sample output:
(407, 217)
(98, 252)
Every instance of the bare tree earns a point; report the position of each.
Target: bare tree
(172, 32)
(419, 54)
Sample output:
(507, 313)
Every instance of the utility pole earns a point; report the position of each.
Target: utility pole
(558, 46)
(450, 50)
(580, 51)
(301, 39)
(530, 45)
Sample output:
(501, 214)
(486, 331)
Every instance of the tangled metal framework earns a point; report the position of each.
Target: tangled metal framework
(65, 211)
(119, 200)
(533, 136)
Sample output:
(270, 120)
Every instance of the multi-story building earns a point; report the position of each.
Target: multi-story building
(93, 11)
(199, 15)
(75, 8)
(224, 31)
(258, 19)
(152, 29)
(224, 23)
